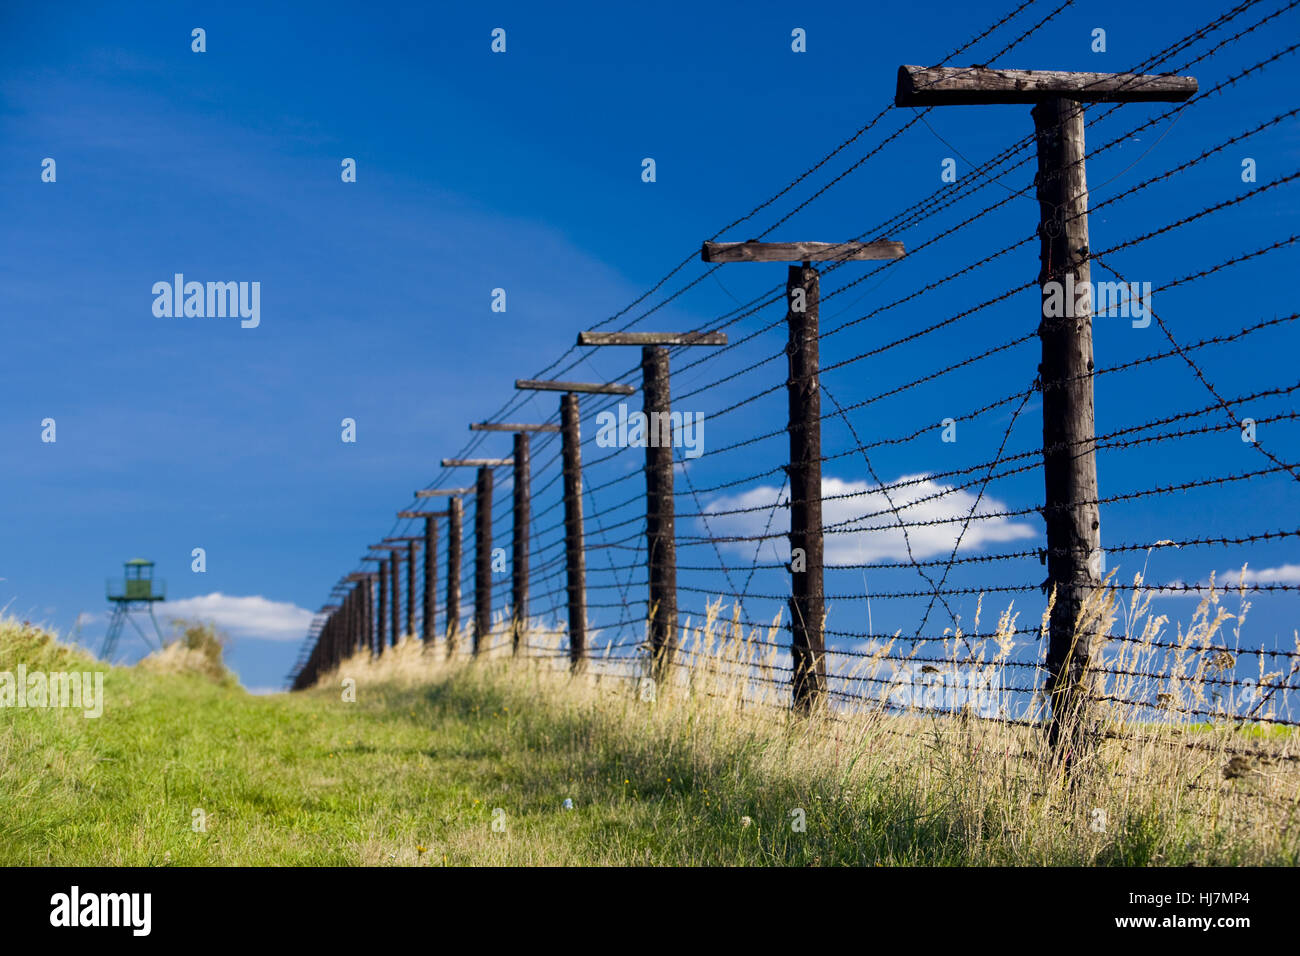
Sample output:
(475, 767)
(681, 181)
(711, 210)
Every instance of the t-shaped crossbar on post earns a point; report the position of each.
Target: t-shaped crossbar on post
(522, 518)
(661, 543)
(1065, 376)
(575, 560)
(482, 540)
(803, 293)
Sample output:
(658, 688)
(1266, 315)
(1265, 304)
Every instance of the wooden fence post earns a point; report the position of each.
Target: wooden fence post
(1065, 378)
(326, 635)
(350, 629)
(575, 558)
(482, 541)
(661, 540)
(358, 613)
(368, 613)
(522, 518)
(1071, 511)
(429, 590)
(331, 646)
(660, 515)
(808, 599)
(381, 618)
(482, 557)
(428, 621)
(354, 643)
(803, 290)
(408, 543)
(410, 588)
(394, 596)
(454, 513)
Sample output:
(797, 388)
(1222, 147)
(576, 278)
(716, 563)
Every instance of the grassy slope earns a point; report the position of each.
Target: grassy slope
(411, 773)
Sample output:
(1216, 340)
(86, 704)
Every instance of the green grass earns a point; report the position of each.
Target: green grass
(308, 779)
(411, 773)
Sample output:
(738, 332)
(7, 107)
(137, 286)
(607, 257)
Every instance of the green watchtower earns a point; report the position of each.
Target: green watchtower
(136, 590)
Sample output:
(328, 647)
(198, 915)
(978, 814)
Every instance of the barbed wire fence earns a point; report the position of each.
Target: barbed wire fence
(639, 547)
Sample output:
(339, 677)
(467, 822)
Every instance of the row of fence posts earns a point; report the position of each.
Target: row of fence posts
(1065, 378)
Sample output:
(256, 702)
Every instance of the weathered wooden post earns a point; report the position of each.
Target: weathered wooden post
(482, 541)
(393, 595)
(429, 599)
(354, 617)
(337, 624)
(376, 610)
(357, 617)
(482, 557)
(410, 588)
(408, 543)
(455, 512)
(575, 555)
(455, 537)
(383, 605)
(520, 513)
(326, 634)
(327, 637)
(575, 560)
(1065, 376)
(522, 518)
(803, 293)
(368, 612)
(661, 541)
(348, 632)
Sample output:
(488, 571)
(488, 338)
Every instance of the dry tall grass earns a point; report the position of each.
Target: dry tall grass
(1162, 784)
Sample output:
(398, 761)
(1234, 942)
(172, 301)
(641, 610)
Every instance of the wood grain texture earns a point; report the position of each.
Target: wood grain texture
(1070, 511)
(753, 251)
(591, 388)
(652, 338)
(510, 427)
(807, 589)
(483, 556)
(522, 515)
(575, 558)
(952, 85)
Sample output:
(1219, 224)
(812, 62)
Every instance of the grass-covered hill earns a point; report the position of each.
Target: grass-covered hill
(417, 760)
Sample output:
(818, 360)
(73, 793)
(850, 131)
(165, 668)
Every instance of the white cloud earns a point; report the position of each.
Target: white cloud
(1227, 580)
(869, 539)
(1285, 574)
(255, 617)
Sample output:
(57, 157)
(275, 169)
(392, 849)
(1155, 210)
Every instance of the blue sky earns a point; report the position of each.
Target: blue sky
(522, 171)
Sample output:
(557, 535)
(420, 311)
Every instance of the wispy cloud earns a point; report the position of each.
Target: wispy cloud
(251, 618)
(857, 539)
(1235, 578)
(1283, 574)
